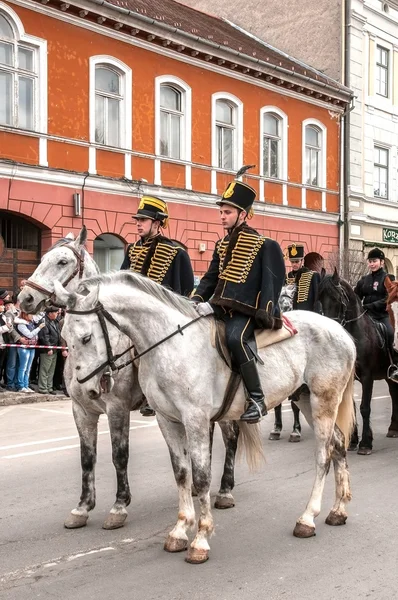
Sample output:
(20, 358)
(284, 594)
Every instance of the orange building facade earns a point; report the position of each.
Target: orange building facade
(105, 102)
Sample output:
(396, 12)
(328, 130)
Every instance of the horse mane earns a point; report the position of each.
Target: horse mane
(329, 287)
(146, 285)
(60, 242)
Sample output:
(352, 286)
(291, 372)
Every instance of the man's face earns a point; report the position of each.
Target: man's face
(296, 264)
(375, 264)
(147, 227)
(231, 216)
(52, 315)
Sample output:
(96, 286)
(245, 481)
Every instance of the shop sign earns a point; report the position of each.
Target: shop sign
(390, 236)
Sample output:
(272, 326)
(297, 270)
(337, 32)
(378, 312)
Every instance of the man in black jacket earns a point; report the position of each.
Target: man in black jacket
(158, 257)
(243, 284)
(49, 336)
(372, 291)
(306, 281)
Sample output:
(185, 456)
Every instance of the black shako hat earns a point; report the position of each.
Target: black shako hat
(240, 195)
(376, 253)
(153, 208)
(295, 252)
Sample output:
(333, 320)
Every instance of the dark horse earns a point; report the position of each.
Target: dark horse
(340, 303)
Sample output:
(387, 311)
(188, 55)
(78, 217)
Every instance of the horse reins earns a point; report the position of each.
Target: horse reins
(77, 271)
(103, 316)
(342, 321)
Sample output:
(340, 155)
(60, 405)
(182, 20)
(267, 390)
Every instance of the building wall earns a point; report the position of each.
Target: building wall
(282, 24)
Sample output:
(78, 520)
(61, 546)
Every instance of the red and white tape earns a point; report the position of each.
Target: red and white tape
(30, 346)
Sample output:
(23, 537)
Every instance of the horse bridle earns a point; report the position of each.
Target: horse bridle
(104, 316)
(344, 306)
(77, 271)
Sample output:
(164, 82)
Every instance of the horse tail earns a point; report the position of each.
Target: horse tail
(250, 444)
(346, 411)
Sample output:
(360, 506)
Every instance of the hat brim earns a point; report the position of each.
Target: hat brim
(220, 202)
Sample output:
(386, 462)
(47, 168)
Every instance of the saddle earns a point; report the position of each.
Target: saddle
(381, 332)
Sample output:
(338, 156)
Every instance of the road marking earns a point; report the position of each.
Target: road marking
(58, 448)
(7, 409)
(49, 410)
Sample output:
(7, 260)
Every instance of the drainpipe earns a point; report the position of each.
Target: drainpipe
(346, 143)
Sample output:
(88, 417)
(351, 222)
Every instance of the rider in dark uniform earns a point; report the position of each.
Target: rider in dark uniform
(372, 291)
(243, 285)
(158, 257)
(307, 281)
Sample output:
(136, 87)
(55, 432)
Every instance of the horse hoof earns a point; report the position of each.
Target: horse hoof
(114, 521)
(196, 556)
(391, 433)
(274, 435)
(303, 531)
(295, 437)
(222, 502)
(173, 544)
(352, 447)
(76, 521)
(364, 451)
(335, 519)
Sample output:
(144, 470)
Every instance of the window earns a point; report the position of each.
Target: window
(271, 145)
(382, 67)
(171, 120)
(110, 102)
(313, 137)
(18, 79)
(108, 99)
(225, 133)
(380, 175)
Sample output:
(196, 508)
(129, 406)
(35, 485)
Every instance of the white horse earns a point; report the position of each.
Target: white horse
(184, 379)
(69, 262)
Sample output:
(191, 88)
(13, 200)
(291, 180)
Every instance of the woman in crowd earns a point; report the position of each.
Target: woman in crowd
(27, 328)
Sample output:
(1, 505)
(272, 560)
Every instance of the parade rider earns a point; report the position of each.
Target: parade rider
(242, 287)
(373, 293)
(306, 281)
(158, 257)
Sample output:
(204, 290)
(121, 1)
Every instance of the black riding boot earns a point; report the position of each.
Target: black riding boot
(256, 408)
(146, 410)
(392, 372)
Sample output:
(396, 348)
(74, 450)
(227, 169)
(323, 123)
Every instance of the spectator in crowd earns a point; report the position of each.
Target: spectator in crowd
(50, 335)
(5, 327)
(4, 295)
(13, 337)
(26, 328)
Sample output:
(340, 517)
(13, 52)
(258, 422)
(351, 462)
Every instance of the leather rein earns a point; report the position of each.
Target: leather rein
(79, 269)
(104, 316)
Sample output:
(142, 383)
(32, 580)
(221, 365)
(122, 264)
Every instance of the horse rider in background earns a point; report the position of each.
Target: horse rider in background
(373, 293)
(306, 281)
(158, 257)
(242, 287)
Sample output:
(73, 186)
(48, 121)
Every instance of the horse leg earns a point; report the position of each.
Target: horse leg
(338, 514)
(354, 439)
(199, 444)
(87, 426)
(276, 432)
(366, 443)
(230, 433)
(295, 436)
(393, 428)
(323, 411)
(176, 440)
(119, 426)
(212, 425)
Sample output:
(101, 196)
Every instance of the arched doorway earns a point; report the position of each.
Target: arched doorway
(388, 266)
(108, 252)
(20, 242)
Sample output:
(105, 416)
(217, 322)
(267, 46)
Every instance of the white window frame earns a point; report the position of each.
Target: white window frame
(323, 152)
(238, 147)
(380, 166)
(186, 118)
(283, 146)
(125, 139)
(388, 69)
(39, 46)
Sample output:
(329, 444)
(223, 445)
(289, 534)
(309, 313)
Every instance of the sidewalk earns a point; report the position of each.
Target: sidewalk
(12, 398)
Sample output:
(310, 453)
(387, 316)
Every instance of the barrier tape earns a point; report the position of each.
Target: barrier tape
(30, 346)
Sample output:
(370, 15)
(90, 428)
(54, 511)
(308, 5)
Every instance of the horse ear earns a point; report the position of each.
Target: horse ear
(82, 237)
(92, 299)
(335, 277)
(388, 283)
(70, 236)
(63, 297)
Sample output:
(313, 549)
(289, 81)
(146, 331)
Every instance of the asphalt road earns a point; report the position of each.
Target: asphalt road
(253, 553)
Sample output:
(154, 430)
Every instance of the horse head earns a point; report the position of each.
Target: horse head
(337, 297)
(392, 306)
(67, 262)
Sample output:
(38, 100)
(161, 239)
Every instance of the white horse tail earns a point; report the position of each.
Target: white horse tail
(250, 444)
(346, 412)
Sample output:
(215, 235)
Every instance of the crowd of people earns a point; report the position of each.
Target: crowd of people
(24, 366)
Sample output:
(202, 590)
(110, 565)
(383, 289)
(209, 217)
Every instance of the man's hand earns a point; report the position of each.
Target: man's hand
(50, 352)
(64, 353)
(204, 309)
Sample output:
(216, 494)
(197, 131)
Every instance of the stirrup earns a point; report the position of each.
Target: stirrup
(255, 418)
(391, 371)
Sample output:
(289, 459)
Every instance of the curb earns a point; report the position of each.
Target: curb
(14, 398)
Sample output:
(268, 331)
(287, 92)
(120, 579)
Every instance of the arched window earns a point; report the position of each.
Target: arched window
(271, 145)
(314, 153)
(108, 252)
(19, 74)
(225, 133)
(110, 102)
(171, 121)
